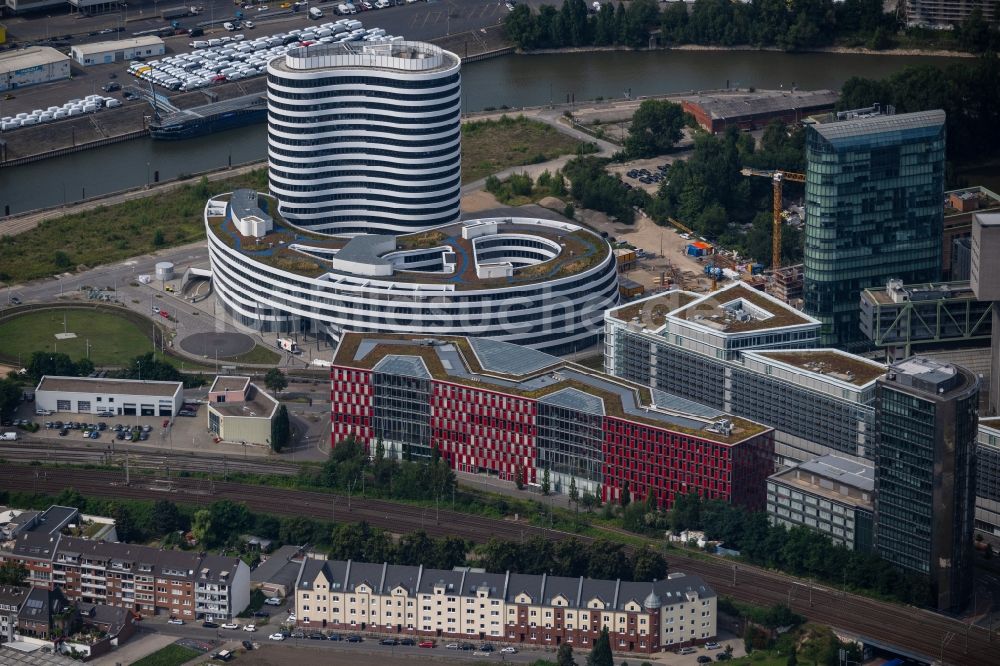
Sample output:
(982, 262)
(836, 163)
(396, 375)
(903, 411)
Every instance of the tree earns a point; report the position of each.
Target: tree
(275, 381)
(564, 655)
(649, 564)
(158, 239)
(601, 654)
(51, 363)
(626, 496)
(166, 517)
(574, 493)
(125, 526)
(281, 431)
(519, 475)
(520, 27)
(792, 660)
(10, 397)
(13, 573)
(656, 127)
(546, 481)
(61, 259)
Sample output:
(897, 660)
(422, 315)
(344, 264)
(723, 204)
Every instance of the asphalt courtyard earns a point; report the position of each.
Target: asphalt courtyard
(221, 344)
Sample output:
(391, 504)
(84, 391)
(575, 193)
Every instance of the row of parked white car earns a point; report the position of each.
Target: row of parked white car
(233, 58)
(74, 107)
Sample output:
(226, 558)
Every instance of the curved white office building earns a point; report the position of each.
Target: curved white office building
(534, 282)
(365, 138)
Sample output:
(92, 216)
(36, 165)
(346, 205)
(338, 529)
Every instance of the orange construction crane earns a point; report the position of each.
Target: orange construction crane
(777, 178)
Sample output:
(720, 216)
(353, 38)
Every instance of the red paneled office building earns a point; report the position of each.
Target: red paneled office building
(496, 408)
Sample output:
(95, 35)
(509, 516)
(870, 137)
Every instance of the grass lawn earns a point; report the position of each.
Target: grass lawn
(760, 658)
(172, 655)
(111, 233)
(112, 338)
(489, 146)
(257, 356)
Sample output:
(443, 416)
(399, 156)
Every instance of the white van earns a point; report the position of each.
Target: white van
(8, 436)
(228, 26)
(315, 13)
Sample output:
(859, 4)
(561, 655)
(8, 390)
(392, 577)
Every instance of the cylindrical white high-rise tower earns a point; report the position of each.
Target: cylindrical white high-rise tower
(365, 138)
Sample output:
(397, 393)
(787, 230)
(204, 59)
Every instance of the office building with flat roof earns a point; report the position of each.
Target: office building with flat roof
(985, 281)
(829, 494)
(988, 477)
(925, 479)
(494, 408)
(874, 192)
(746, 353)
(904, 318)
(946, 14)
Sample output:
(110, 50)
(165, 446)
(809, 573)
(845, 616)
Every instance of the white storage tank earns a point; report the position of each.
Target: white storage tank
(164, 270)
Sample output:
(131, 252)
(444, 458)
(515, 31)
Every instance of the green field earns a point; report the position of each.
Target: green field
(111, 233)
(489, 146)
(172, 655)
(112, 338)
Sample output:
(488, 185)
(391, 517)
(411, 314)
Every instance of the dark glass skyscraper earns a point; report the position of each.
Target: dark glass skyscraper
(874, 193)
(926, 417)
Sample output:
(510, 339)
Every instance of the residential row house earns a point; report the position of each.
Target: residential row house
(470, 604)
(145, 580)
(47, 618)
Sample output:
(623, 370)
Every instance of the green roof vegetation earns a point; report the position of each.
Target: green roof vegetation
(349, 344)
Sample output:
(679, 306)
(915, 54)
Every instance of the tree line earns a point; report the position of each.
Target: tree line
(799, 25)
(708, 193)
(969, 93)
(143, 366)
(601, 559)
(798, 551)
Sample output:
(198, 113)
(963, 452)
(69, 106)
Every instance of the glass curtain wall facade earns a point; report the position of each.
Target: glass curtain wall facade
(925, 480)
(874, 188)
(569, 444)
(402, 413)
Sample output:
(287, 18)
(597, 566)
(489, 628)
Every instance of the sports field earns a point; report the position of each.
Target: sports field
(112, 339)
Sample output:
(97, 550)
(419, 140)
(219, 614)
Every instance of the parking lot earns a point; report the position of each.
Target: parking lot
(137, 434)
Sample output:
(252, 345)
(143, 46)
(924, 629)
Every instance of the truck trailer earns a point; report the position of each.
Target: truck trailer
(178, 12)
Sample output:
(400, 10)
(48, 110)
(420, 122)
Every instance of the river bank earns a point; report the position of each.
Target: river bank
(840, 50)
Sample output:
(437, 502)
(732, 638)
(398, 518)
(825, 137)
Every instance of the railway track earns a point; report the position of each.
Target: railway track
(921, 632)
(66, 454)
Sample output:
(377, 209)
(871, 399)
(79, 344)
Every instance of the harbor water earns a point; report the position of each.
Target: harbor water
(514, 81)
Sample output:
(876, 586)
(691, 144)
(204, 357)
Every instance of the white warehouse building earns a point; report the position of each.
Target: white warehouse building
(101, 53)
(31, 66)
(365, 138)
(118, 397)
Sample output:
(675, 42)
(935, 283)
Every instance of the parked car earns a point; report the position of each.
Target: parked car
(712, 645)
(230, 625)
(510, 649)
(247, 645)
(354, 638)
(426, 644)
(291, 618)
(407, 641)
(335, 637)
(687, 650)
(250, 627)
(175, 620)
(486, 647)
(315, 636)
(270, 601)
(704, 659)
(210, 625)
(451, 646)
(388, 641)
(276, 637)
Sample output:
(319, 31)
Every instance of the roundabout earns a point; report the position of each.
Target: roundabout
(223, 345)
